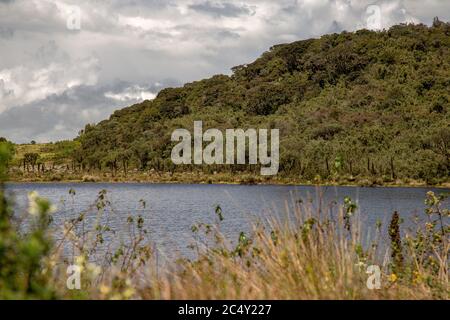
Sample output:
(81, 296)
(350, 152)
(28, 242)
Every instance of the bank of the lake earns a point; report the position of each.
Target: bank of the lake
(220, 178)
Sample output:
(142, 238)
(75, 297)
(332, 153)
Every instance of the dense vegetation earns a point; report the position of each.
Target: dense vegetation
(365, 107)
(363, 104)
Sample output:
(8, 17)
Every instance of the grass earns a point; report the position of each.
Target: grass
(311, 255)
(203, 178)
(44, 151)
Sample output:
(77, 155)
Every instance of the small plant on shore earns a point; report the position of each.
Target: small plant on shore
(427, 247)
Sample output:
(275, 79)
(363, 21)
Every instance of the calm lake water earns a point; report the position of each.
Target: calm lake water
(171, 210)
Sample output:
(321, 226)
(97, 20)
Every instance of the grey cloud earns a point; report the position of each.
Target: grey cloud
(63, 116)
(6, 33)
(226, 34)
(335, 27)
(219, 9)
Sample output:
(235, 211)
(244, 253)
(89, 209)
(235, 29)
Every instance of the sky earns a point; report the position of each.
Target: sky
(64, 63)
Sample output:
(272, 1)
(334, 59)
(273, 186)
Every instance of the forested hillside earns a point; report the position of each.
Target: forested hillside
(349, 106)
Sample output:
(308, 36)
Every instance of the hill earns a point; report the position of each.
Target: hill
(370, 107)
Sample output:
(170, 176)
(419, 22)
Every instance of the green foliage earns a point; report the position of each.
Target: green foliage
(30, 159)
(22, 256)
(396, 244)
(349, 210)
(377, 101)
(6, 152)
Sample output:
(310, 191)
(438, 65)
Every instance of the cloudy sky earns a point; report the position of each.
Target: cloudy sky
(67, 63)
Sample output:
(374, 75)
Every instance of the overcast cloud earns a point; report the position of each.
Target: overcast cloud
(55, 79)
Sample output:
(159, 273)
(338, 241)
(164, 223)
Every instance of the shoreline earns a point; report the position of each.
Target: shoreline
(414, 184)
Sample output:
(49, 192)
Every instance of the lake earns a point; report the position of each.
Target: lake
(171, 210)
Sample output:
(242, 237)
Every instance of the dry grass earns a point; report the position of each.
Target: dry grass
(310, 255)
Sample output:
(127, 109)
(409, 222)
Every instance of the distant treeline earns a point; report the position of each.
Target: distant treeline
(359, 104)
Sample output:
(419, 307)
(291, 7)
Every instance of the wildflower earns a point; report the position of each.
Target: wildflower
(393, 278)
(431, 199)
(38, 205)
(417, 277)
(53, 208)
(128, 293)
(80, 261)
(93, 269)
(105, 290)
(33, 207)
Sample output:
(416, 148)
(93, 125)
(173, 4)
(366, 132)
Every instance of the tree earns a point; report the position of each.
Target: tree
(437, 23)
(30, 159)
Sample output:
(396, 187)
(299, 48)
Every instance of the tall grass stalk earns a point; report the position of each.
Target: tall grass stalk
(308, 255)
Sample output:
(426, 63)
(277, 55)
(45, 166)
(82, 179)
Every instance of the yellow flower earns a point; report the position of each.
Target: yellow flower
(393, 278)
(104, 289)
(128, 293)
(417, 277)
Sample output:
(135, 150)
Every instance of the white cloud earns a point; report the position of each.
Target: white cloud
(25, 85)
(134, 93)
(50, 71)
